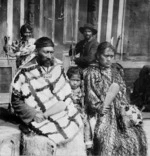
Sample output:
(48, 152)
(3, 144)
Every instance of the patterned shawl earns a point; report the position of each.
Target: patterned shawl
(49, 88)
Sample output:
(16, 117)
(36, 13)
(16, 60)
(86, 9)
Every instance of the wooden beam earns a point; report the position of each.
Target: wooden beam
(123, 27)
(76, 20)
(22, 12)
(41, 18)
(71, 15)
(120, 17)
(53, 20)
(99, 20)
(109, 20)
(10, 19)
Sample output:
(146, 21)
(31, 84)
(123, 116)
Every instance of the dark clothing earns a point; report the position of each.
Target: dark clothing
(87, 52)
(141, 90)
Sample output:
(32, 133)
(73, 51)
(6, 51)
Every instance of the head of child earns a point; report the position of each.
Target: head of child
(74, 76)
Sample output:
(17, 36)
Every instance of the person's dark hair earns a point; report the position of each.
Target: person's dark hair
(24, 28)
(102, 46)
(44, 42)
(73, 71)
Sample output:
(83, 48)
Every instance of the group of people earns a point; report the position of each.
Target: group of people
(87, 106)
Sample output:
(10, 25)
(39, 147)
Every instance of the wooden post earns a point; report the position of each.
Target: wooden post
(22, 7)
(41, 18)
(9, 140)
(37, 145)
(10, 19)
(31, 13)
(99, 20)
(109, 20)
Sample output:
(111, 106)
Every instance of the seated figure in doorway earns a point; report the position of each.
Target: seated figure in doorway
(25, 46)
(87, 47)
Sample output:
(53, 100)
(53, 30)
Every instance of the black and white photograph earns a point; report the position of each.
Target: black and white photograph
(74, 77)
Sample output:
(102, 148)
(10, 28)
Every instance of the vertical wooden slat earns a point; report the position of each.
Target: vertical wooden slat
(109, 20)
(70, 21)
(22, 12)
(120, 17)
(41, 18)
(123, 28)
(10, 19)
(82, 16)
(115, 21)
(49, 18)
(99, 20)
(77, 19)
(104, 21)
(53, 20)
(16, 20)
(3, 24)
(37, 19)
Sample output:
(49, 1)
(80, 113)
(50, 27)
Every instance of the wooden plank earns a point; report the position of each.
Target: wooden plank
(115, 21)
(82, 16)
(120, 17)
(3, 24)
(26, 10)
(109, 20)
(10, 19)
(49, 18)
(138, 41)
(99, 20)
(22, 12)
(53, 19)
(41, 19)
(104, 21)
(16, 20)
(37, 20)
(10, 137)
(70, 21)
(37, 145)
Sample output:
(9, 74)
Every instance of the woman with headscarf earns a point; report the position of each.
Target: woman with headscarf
(115, 132)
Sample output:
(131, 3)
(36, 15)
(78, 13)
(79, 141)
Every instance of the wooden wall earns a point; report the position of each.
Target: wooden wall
(60, 20)
(57, 19)
(3, 22)
(137, 30)
(111, 15)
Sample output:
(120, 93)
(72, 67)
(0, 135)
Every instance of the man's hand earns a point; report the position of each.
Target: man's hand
(39, 117)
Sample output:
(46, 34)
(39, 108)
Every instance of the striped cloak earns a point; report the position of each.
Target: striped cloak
(49, 87)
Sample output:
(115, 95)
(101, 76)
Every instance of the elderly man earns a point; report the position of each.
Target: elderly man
(41, 97)
(86, 47)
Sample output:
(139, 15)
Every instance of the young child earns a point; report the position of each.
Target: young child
(75, 80)
(76, 84)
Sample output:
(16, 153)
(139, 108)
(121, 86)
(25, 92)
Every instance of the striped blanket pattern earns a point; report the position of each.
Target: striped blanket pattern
(49, 88)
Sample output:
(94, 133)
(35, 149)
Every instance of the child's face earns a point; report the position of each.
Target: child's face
(75, 81)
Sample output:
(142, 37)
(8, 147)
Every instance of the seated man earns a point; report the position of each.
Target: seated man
(87, 47)
(41, 97)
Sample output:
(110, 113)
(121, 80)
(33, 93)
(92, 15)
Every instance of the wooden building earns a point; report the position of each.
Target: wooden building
(60, 20)
(125, 23)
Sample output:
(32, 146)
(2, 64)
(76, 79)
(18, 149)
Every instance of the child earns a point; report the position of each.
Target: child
(75, 80)
(76, 84)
